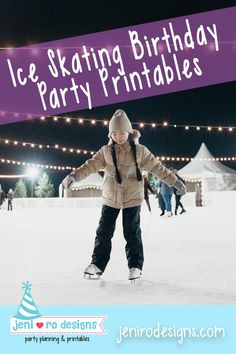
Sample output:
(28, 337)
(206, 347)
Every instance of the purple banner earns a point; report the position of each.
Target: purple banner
(118, 65)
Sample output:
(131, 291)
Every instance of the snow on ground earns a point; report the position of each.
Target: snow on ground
(189, 259)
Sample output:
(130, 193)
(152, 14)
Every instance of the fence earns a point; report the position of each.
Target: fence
(227, 198)
(52, 203)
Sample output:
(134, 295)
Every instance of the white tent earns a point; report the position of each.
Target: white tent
(215, 175)
(88, 187)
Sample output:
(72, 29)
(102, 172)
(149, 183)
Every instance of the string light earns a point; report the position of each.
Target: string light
(173, 158)
(153, 125)
(30, 164)
(12, 48)
(192, 180)
(41, 146)
(86, 187)
(66, 168)
(13, 176)
(104, 123)
(73, 150)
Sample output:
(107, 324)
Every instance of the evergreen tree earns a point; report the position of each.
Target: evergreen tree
(20, 190)
(45, 188)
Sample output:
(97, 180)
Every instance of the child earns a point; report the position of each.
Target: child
(123, 161)
(9, 199)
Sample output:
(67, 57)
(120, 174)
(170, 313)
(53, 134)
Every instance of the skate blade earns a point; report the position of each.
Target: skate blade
(89, 276)
(133, 281)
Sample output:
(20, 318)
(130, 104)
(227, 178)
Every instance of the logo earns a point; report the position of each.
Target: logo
(28, 320)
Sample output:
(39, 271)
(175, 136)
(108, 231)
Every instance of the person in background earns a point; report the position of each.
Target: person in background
(160, 199)
(166, 192)
(178, 196)
(147, 187)
(2, 196)
(9, 199)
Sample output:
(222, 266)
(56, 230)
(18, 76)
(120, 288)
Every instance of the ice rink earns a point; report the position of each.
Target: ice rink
(189, 259)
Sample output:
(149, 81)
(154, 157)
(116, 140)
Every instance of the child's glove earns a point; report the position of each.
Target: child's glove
(180, 186)
(68, 181)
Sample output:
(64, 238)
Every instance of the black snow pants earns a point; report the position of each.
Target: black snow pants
(9, 205)
(178, 202)
(132, 235)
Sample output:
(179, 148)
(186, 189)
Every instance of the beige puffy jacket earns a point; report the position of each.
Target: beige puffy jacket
(130, 192)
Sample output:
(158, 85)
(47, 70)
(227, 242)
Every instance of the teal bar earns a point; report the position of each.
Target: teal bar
(131, 320)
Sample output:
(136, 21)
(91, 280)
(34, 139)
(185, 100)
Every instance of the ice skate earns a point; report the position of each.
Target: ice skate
(92, 272)
(134, 273)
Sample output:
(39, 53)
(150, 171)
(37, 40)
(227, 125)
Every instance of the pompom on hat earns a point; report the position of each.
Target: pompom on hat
(120, 121)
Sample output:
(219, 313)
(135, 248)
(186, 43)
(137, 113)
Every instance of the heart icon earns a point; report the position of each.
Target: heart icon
(39, 324)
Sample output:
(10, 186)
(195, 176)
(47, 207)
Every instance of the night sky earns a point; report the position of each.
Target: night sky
(26, 22)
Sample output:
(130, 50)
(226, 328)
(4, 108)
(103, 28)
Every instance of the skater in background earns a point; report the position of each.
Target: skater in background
(178, 196)
(166, 193)
(2, 196)
(147, 187)
(160, 199)
(9, 199)
(123, 160)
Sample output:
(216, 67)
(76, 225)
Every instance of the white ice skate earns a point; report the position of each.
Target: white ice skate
(92, 271)
(134, 273)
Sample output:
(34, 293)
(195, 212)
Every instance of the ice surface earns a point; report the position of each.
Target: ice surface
(189, 259)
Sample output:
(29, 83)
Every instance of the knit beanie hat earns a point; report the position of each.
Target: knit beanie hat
(120, 121)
